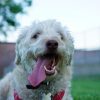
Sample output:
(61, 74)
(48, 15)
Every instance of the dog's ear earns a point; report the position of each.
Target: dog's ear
(69, 59)
(20, 42)
(17, 58)
(18, 48)
(69, 45)
(69, 48)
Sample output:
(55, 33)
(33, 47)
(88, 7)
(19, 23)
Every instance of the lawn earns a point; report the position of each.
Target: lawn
(86, 88)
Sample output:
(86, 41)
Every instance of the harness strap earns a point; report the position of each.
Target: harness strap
(57, 96)
(16, 96)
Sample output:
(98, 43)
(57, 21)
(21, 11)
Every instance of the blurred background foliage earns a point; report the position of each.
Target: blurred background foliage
(8, 11)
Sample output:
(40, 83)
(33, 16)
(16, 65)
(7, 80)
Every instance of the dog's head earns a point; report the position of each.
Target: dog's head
(44, 49)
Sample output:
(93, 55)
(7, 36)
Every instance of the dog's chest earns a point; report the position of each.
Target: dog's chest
(37, 93)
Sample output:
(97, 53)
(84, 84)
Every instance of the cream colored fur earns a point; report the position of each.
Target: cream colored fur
(27, 49)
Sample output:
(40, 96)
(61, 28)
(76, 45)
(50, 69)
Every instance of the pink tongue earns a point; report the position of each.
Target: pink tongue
(38, 75)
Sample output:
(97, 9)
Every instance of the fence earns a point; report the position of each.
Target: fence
(85, 62)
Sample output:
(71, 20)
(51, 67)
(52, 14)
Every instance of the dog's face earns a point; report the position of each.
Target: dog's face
(44, 48)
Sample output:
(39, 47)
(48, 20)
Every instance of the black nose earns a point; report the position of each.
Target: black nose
(52, 44)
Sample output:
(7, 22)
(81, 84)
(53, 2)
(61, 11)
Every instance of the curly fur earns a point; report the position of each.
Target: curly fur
(27, 49)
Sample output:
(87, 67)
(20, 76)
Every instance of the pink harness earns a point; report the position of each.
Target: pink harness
(57, 96)
(16, 96)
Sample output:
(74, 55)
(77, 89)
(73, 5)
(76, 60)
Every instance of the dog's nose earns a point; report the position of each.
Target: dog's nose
(52, 44)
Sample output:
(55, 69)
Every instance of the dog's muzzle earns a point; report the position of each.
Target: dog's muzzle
(52, 45)
(46, 64)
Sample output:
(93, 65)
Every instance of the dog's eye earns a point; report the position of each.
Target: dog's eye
(61, 35)
(35, 36)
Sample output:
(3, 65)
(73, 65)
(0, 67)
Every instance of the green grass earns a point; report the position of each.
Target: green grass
(86, 88)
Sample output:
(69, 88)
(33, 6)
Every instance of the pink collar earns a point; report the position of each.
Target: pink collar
(57, 96)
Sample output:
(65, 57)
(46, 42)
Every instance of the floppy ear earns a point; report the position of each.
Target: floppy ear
(19, 44)
(70, 54)
(17, 58)
(69, 59)
(70, 49)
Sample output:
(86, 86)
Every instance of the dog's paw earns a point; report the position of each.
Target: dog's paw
(47, 96)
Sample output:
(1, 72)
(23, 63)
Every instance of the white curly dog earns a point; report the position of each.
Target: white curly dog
(43, 70)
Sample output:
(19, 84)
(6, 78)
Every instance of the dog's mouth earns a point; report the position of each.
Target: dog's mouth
(46, 65)
(50, 66)
(51, 61)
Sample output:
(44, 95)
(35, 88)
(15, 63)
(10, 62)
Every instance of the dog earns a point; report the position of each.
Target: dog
(43, 70)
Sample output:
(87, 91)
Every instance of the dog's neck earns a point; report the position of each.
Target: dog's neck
(48, 86)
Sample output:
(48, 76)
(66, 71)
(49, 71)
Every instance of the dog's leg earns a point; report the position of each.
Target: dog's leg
(67, 96)
(46, 97)
(4, 87)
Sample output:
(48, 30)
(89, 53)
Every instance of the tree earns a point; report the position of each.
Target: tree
(8, 11)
